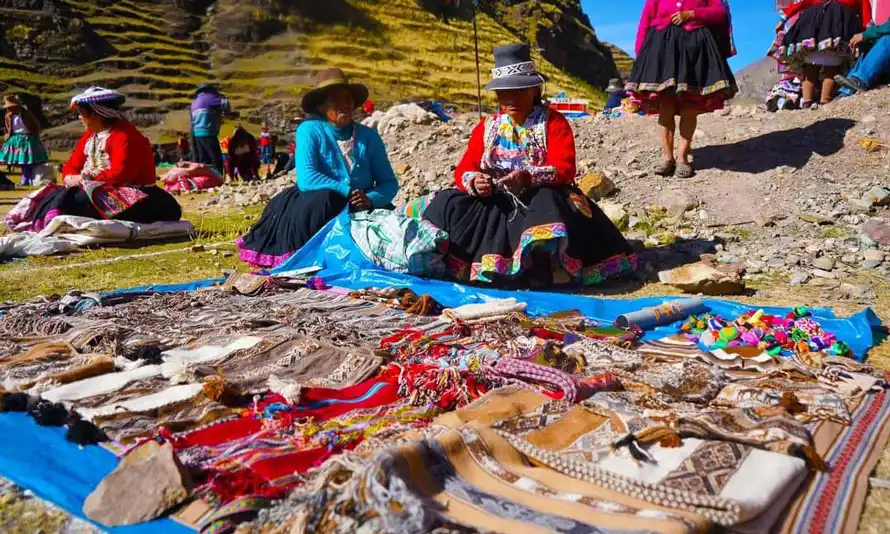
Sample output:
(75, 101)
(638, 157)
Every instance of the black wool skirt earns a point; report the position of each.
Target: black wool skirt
(688, 68)
(558, 237)
(288, 222)
(157, 206)
(825, 28)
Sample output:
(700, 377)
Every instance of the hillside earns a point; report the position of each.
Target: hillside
(757, 79)
(263, 52)
(623, 62)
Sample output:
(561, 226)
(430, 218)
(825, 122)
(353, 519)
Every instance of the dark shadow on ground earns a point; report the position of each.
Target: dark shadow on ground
(334, 12)
(448, 9)
(793, 148)
(651, 261)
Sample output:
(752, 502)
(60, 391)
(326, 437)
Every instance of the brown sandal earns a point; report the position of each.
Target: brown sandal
(666, 168)
(684, 170)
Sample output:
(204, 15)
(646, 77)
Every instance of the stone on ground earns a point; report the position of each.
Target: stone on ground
(148, 482)
(702, 278)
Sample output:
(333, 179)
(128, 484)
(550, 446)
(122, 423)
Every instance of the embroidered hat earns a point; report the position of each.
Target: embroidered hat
(103, 101)
(614, 86)
(514, 69)
(11, 101)
(98, 95)
(327, 79)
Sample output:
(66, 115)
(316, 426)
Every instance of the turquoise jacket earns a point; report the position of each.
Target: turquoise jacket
(320, 164)
(873, 33)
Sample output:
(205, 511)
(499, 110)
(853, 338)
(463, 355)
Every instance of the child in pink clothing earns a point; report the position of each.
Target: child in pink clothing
(681, 69)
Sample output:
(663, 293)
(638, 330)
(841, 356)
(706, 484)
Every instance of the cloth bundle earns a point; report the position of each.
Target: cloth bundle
(400, 244)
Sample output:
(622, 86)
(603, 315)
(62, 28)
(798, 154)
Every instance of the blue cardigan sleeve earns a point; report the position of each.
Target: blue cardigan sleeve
(385, 184)
(312, 173)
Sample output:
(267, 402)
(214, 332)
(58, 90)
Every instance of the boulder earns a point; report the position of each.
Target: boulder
(596, 185)
(676, 202)
(615, 212)
(877, 196)
(877, 230)
(148, 482)
(702, 278)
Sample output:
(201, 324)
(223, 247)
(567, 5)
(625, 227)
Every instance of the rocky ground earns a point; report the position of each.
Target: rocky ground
(22, 513)
(802, 195)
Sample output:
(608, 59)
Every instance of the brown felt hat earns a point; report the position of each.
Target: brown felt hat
(325, 81)
(11, 101)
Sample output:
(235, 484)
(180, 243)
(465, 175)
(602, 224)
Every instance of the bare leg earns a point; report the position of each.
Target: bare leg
(666, 128)
(808, 87)
(828, 84)
(688, 124)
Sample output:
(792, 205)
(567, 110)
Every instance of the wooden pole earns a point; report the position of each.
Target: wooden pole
(478, 69)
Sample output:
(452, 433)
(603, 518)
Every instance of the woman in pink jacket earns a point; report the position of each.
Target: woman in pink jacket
(681, 69)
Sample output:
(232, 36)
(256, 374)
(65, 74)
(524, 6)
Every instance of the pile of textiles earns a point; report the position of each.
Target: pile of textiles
(190, 176)
(379, 411)
(67, 233)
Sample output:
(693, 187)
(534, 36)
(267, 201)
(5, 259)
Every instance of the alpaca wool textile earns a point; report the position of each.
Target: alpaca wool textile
(832, 502)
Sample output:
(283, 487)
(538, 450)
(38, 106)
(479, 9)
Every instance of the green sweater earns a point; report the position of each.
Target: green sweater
(873, 33)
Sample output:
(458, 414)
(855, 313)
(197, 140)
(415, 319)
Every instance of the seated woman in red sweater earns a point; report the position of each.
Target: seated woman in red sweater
(516, 218)
(110, 174)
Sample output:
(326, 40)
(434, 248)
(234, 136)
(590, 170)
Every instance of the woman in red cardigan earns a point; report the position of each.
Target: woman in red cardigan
(515, 217)
(817, 44)
(110, 174)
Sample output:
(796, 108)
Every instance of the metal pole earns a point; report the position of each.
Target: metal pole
(478, 70)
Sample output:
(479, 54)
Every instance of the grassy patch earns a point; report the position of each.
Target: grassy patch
(742, 233)
(833, 232)
(107, 268)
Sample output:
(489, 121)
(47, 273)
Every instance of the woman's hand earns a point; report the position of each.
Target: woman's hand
(857, 40)
(517, 181)
(73, 180)
(359, 201)
(482, 185)
(681, 17)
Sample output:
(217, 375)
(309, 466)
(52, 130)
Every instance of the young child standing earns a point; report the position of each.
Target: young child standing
(267, 146)
(21, 143)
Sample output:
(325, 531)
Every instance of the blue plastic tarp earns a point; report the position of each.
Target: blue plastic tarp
(41, 460)
(344, 265)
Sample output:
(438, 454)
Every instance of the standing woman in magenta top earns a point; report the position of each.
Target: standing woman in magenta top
(818, 42)
(681, 69)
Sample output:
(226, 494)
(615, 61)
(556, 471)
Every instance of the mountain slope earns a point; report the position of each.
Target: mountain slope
(264, 52)
(757, 79)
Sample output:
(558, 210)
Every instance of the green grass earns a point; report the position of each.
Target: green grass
(107, 268)
(742, 233)
(833, 232)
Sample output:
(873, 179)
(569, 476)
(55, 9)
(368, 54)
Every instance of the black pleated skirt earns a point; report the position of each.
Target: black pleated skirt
(685, 67)
(157, 206)
(826, 27)
(288, 222)
(559, 237)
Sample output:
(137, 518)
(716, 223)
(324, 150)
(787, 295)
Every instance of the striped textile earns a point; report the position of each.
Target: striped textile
(832, 502)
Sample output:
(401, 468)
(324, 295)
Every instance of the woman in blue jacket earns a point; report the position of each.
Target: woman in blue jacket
(339, 163)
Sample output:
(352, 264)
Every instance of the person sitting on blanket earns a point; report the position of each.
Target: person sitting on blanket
(339, 163)
(516, 217)
(110, 174)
